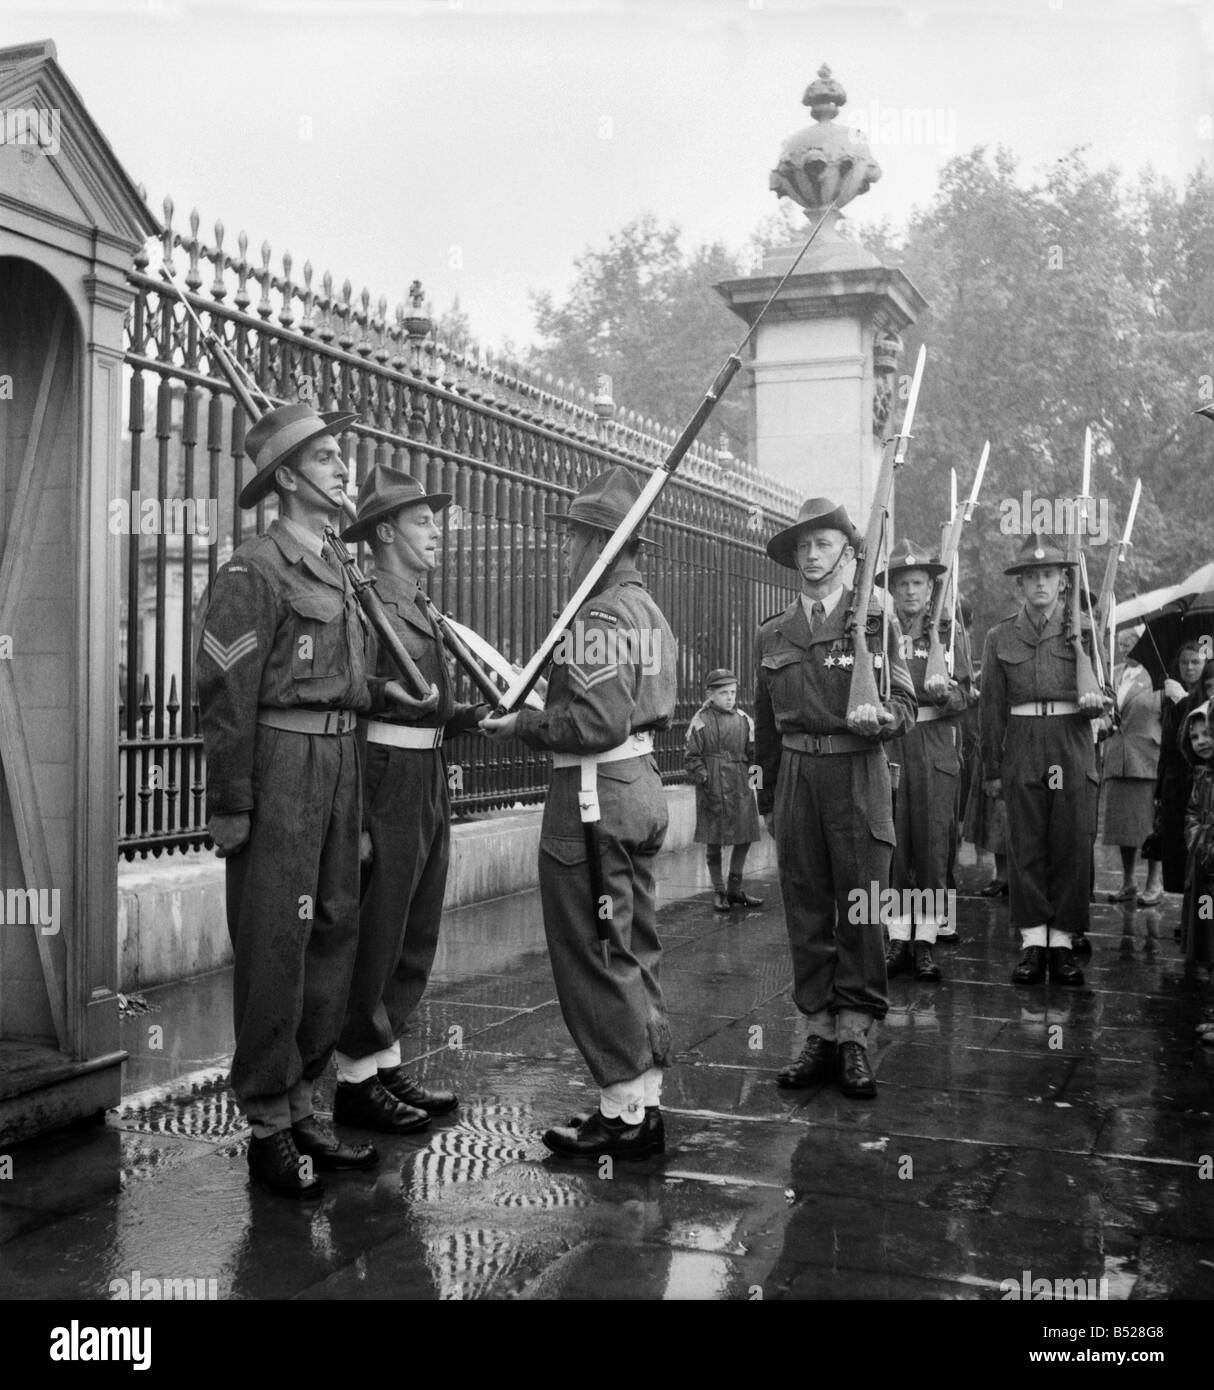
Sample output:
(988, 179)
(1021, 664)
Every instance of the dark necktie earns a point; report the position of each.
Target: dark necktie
(817, 617)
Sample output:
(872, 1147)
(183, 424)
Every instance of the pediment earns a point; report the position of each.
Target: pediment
(55, 160)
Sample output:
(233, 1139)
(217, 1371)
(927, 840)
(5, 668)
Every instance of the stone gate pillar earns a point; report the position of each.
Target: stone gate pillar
(823, 363)
(70, 223)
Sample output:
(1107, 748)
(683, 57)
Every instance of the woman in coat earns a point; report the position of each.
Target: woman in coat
(1131, 760)
(718, 757)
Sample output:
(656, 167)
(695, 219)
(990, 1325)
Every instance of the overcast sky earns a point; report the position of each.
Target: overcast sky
(480, 147)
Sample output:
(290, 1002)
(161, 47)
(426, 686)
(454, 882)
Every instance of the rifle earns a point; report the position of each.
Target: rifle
(1106, 603)
(650, 493)
(937, 663)
(1086, 682)
(863, 689)
(364, 588)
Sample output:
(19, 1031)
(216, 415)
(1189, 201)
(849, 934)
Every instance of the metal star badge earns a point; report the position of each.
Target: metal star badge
(830, 659)
(846, 659)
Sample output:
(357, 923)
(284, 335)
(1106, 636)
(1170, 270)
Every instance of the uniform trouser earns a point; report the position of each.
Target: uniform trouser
(408, 813)
(292, 900)
(834, 836)
(925, 808)
(1050, 836)
(615, 1014)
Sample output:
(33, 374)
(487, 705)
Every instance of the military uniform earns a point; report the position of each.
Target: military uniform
(281, 671)
(407, 811)
(1039, 745)
(830, 791)
(615, 1013)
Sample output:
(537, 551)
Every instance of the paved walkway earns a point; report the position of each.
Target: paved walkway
(1016, 1130)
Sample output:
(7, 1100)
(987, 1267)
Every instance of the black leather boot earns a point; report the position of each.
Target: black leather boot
(1063, 970)
(276, 1162)
(1031, 968)
(818, 1060)
(317, 1141)
(599, 1136)
(897, 958)
(925, 967)
(367, 1105)
(855, 1075)
(397, 1082)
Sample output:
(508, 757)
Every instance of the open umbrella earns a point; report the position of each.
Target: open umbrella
(1171, 616)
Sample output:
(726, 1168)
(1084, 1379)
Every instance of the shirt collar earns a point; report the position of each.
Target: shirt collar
(308, 541)
(829, 604)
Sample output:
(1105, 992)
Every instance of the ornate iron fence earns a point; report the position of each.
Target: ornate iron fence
(510, 445)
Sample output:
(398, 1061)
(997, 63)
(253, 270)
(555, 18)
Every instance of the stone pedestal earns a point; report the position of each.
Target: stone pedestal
(818, 377)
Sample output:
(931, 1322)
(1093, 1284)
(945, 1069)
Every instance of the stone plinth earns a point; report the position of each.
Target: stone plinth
(819, 404)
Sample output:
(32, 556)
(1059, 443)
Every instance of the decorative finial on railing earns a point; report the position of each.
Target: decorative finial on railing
(242, 271)
(346, 309)
(307, 326)
(418, 323)
(264, 307)
(325, 331)
(286, 314)
(167, 238)
(193, 276)
(219, 288)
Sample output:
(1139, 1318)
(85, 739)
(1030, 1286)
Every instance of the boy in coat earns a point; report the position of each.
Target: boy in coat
(718, 756)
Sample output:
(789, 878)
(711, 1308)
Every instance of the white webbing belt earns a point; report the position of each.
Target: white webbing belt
(1042, 708)
(403, 735)
(634, 746)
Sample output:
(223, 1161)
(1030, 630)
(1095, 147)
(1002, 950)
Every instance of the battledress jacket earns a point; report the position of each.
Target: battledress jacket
(803, 682)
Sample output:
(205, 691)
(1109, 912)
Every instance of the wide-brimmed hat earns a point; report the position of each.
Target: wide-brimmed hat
(818, 514)
(1039, 549)
(604, 502)
(273, 438)
(721, 676)
(384, 491)
(906, 555)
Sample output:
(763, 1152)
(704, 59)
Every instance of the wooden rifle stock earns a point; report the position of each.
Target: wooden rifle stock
(1085, 677)
(863, 689)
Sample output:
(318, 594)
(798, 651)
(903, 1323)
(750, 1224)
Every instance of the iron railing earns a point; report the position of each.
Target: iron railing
(510, 445)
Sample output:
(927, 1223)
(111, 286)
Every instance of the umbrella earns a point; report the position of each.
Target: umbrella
(1171, 617)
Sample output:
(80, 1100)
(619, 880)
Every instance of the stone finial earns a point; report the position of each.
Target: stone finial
(824, 162)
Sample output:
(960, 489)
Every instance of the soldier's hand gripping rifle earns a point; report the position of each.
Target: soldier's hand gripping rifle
(937, 668)
(865, 711)
(422, 695)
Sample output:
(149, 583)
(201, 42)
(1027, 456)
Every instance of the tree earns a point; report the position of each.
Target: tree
(643, 311)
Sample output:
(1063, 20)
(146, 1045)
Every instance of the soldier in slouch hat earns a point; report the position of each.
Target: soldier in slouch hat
(826, 778)
(281, 677)
(611, 689)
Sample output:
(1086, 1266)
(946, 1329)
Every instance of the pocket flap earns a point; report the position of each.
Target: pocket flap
(323, 608)
(775, 661)
(565, 850)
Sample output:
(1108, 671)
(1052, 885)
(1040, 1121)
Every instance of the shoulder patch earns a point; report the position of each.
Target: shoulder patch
(603, 615)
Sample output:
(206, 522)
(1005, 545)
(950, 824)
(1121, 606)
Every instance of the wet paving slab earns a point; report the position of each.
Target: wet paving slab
(1066, 1133)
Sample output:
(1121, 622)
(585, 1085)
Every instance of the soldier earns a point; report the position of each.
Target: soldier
(406, 813)
(1038, 755)
(281, 674)
(827, 778)
(925, 803)
(611, 685)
